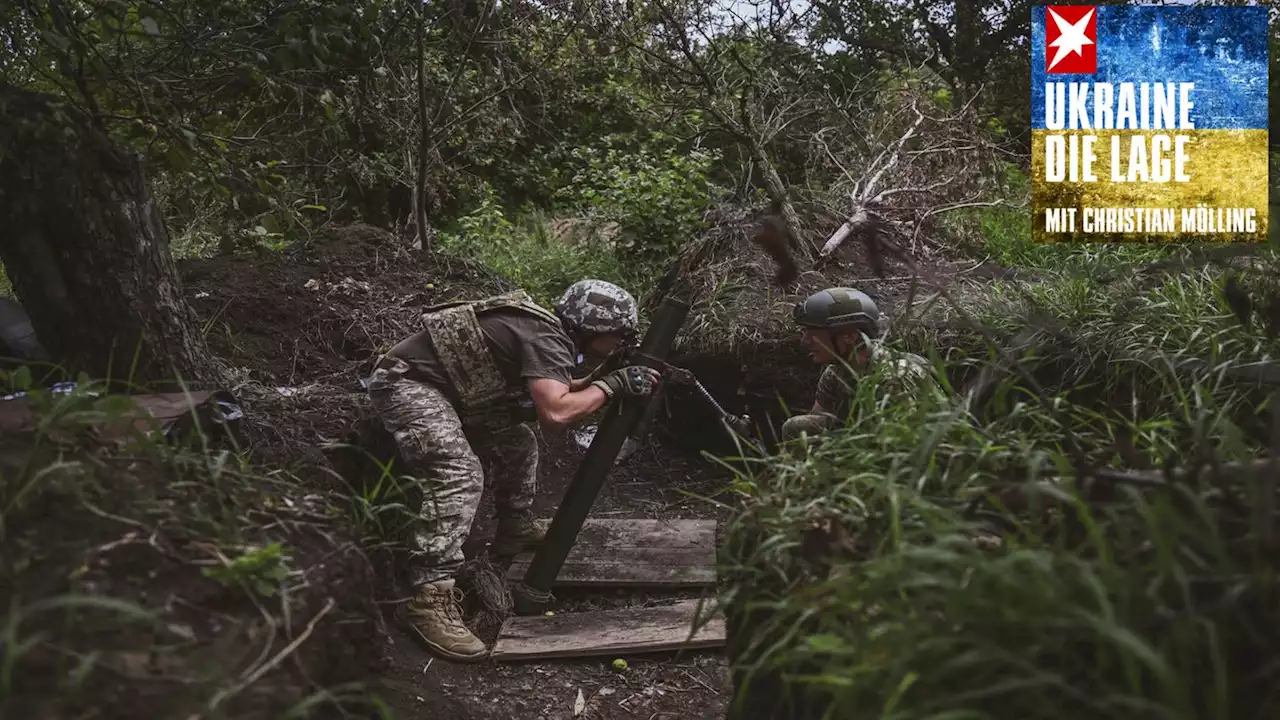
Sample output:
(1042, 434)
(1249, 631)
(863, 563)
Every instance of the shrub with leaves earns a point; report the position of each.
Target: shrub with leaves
(657, 193)
(260, 570)
(525, 252)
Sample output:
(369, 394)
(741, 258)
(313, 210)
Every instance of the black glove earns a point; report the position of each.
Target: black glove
(635, 380)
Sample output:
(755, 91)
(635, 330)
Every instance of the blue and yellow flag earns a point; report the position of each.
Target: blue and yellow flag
(1149, 123)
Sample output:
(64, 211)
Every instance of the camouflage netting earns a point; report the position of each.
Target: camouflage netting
(736, 306)
(739, 338)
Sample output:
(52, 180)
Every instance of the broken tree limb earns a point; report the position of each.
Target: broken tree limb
(864, 197)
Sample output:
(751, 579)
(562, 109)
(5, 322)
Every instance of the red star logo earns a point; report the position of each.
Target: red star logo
(1071, 39)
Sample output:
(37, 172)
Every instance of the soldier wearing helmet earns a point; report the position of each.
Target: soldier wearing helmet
(841, 328)
(458, 391)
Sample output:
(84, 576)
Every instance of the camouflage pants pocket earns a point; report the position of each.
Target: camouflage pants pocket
(431, 442)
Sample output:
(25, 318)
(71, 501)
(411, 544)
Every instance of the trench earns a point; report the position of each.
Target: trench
(666, 477)
(767, 382)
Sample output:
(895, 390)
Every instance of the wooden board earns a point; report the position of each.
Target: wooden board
(620, 632)
(141, 413)
(636, 553)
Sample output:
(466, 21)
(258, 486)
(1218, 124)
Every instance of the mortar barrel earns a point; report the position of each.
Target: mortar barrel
(619, 422)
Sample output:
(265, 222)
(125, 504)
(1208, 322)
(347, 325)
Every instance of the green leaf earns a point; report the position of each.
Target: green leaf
(177, 158)
(57, 41)
(116, 405)
(20, 379)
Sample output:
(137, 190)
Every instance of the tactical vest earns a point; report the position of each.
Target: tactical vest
(455, 333)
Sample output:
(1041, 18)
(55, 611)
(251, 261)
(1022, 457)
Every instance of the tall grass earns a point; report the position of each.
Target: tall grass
(938, 558)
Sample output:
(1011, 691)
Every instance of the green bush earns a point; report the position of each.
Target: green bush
(908, 605)
(657, 193)
(524, 251)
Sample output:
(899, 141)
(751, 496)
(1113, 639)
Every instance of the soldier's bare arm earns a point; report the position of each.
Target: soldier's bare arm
(560, 406)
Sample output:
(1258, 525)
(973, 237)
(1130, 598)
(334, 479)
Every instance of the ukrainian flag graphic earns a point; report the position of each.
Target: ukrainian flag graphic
(1149, 123)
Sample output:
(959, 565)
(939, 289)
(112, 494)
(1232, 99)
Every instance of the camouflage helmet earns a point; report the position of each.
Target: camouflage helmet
(597, 306)
(838, 309)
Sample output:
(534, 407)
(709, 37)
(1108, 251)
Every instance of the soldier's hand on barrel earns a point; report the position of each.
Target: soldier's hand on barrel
(634, 380)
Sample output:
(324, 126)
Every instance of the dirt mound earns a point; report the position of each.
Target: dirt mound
(739, 338)
(159, 582)
(318, 314)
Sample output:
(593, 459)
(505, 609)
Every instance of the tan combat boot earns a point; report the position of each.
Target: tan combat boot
(516, 534)
(435, 613)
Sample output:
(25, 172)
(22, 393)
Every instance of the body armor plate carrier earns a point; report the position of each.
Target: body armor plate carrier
(455, 332)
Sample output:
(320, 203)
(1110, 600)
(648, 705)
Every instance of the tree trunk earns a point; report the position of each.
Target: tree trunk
(87, 250)
(781, 198)
(424, 139)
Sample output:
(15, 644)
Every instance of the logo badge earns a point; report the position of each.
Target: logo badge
(1071, 39)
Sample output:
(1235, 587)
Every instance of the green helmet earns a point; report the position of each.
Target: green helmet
(839, 309)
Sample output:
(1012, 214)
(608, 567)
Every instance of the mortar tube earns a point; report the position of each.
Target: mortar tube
(532, 596)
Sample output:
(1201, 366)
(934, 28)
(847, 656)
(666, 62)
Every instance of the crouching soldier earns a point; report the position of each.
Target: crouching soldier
(452, 394)
(841, 327)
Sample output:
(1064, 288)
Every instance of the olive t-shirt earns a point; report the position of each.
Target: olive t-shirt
(523, 346)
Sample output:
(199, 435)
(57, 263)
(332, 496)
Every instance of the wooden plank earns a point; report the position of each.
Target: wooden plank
(625, 631)
(640, 570)
(636, 553)
(146, 412)
(646, 533)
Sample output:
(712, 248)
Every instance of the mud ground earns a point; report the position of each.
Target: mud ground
(656, 482)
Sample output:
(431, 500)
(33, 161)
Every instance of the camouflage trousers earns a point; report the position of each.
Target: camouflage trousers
(812, 424)
(447, 464)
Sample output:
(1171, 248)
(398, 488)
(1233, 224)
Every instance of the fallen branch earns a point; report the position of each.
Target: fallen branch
(864, 197)
(285, 652)
(915, 236)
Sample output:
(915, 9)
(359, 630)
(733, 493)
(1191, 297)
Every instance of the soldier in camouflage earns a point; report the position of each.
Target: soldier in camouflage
(841, 328)
(456, 398)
